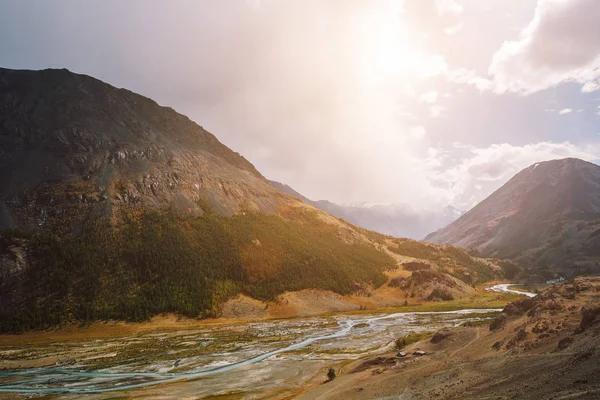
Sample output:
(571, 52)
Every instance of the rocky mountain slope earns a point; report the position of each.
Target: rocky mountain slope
(399, 220)
(113, 207)
(547, 216)
(72, 146)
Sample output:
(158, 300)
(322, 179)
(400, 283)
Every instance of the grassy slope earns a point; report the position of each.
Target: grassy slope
(155, 262)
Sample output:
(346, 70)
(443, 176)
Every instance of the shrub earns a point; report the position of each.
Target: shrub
(331, 374)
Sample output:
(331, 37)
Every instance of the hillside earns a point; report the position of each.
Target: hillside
(399, 220)
(544, 347)
(113, 207)
(546, 216)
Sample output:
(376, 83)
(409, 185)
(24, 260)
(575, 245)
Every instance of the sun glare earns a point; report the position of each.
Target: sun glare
(392, 54)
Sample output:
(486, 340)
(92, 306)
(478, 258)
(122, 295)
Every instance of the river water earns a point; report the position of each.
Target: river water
(246, 359)
(223, 359)
(506, 288)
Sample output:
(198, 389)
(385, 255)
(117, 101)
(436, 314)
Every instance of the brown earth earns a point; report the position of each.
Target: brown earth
(544, 348)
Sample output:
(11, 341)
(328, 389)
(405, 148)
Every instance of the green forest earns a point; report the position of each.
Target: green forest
(156, 262)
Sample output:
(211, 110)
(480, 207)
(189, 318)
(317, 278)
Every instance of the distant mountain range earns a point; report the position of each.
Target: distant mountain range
(547, 217)
(399, 220)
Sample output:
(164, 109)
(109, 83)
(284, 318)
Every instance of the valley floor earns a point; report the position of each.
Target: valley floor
(243, 309)
(540, 348)
(165, 350)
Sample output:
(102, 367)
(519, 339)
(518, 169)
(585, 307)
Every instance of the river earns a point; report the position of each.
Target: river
(506, 288)
(245, 358)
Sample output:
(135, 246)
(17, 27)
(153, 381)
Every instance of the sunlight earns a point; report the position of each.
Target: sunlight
(392, 53)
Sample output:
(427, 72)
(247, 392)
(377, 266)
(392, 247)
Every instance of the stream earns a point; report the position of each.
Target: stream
(505, 288)
(247, 358)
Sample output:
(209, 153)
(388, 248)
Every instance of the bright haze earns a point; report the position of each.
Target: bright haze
(427, 103)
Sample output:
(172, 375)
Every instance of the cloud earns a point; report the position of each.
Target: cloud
(469, 77)
(418, 132)
(451, 30)
(436, 111)
(559, 45)
(589, 87)
(429, 97)
(448, 7)
(565, 111)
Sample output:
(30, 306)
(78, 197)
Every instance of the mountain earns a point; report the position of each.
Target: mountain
(399, 220)
(103, 148)
(547, 216)
(113, 207)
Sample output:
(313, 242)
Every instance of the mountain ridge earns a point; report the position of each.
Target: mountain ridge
(398, 220)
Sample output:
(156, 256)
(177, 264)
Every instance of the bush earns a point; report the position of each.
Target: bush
(331, 374)
(402, 342)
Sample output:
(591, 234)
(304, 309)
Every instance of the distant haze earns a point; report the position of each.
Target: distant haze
(425, 103)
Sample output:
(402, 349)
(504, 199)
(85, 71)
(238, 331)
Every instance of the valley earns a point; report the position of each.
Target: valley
(142, 258)
(276, 358)
(313, 200)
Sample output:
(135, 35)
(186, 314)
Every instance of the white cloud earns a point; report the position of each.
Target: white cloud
(436, 111)
(448, 7)
(429, 97)
(451, 30)
(417, 132)
(469, 77)
(565, 111)
(591, 86)
(559, 45)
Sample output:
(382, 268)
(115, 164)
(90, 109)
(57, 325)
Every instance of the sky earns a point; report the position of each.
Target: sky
(421, 102)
